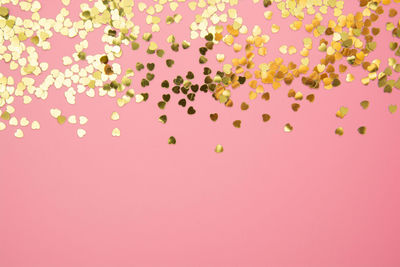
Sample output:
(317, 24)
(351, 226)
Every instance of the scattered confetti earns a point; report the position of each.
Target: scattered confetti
(19, 133)
(336, 45)
(288, 128)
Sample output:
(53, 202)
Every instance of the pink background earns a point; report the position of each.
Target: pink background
(308, 198)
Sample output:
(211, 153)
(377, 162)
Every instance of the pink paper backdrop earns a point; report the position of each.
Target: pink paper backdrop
(309, 198)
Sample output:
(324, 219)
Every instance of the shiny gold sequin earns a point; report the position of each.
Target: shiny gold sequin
(342, 112)
(288, 128)
(172, 140)
(219, 149)
(362, 130)
(266, 117)
(237, 123)
(339, 131)
(364, 104)
(392, 109)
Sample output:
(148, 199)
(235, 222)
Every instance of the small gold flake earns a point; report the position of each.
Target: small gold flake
(81, 133)
(55, 113)
(13, 121)
(295, 107)
(219, 149)
(35, 125)
(265, 96)
(72, 119)
(244, 106)
(365, 104)
(266, 117)
(83, 120)
(214, 116)
(24, 122)
(275, 28)
(298, 96)
(163, 119)
(339, 131)
(311, 97)
(116, 132)
(362, 130)
(65, 2)
(342, 112)
(237, 123)
(220, 57)
(252, 95)
(172, 140)
(61, 119)
(4, 12)
(392, 109)
(2, 126)
(288, 128)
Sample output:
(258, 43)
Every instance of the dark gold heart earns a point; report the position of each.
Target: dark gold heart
(237, 123)
(244, 106)
(166, 97)
(266, 117)
(214, 117)
(191, 110)
(182, 102)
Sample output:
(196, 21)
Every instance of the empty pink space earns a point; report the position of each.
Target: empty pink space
(308, 198)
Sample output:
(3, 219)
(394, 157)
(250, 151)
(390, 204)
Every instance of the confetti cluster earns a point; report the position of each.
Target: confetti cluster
(343, 41)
